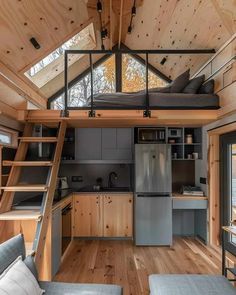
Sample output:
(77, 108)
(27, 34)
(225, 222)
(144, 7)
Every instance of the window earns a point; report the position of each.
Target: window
(79, 94)
(134, 75)
(53, 64)
(8, 137)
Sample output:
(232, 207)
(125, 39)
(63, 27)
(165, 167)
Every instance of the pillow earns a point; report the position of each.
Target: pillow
(29, 262)
(194, 84)
(180, 82)
(208, 87)
(17, 279)
(10, 250)
(165, 89)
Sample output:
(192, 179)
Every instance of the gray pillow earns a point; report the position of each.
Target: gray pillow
(165, 89)
(180, 82)
(194, 84)
(29, 262)
(10, 250)
(208, 87)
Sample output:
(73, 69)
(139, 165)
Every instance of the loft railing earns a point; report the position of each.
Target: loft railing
(146, 109)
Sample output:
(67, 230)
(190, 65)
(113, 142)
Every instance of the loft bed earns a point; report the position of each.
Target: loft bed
(182, 94)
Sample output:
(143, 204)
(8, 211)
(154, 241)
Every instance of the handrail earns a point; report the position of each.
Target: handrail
(147, 112)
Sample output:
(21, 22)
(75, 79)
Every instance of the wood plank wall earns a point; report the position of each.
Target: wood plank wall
(222, 68)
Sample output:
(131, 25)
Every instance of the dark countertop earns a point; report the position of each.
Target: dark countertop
(60, 194)
(36, 201)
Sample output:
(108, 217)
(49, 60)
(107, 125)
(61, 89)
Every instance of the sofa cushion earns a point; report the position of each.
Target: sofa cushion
(18, 279)
(208, 87)
(29, 262)
(194, 84)
(10, 250)
(54, 288)
(180, 82)
(190, 284)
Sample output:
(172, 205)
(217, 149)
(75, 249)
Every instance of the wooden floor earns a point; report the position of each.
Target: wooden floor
(119, 262)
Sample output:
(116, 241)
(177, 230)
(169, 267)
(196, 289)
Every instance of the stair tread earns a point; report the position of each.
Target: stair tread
(38, 139)
(27, 163)
(21, 215)
(25, 188)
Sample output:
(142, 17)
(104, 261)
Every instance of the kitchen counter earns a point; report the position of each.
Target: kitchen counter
(187, 197)
(36, 201)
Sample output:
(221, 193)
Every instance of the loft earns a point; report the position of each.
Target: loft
(117, 147)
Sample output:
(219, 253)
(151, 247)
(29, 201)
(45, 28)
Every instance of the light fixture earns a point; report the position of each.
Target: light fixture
(133, 13)
(99, 6)
(163, 61)
(104, 34)
(35, 43)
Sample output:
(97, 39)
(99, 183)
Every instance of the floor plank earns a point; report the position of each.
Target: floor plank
(120, 262)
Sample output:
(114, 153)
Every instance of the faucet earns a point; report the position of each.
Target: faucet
(110, 183)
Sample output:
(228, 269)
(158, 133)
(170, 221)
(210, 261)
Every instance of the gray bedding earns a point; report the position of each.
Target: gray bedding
(157, 100)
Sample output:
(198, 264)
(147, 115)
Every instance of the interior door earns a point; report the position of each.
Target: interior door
(228, 184)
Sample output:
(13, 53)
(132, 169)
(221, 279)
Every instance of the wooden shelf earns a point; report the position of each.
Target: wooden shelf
(27, 163)
(187, 197)
(25, 188)
(21, 215)
(38, 139)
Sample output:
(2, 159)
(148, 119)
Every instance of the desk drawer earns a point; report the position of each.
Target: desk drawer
(189, 204)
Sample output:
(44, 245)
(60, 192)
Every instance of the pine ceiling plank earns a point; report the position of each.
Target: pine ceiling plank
(12, 80)
(50, 22)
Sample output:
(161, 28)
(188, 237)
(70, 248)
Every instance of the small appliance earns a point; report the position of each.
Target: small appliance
(63, 183)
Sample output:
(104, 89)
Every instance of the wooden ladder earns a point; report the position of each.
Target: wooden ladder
(40, 216)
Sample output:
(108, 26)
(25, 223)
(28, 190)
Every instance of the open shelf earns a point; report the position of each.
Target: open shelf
(186, 143)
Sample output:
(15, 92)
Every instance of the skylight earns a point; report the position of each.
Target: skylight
(52, 65)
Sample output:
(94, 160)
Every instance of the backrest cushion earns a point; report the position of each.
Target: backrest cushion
(208, 87)
(29, 262)
(10, 250)
(180, 82)
(194, 84)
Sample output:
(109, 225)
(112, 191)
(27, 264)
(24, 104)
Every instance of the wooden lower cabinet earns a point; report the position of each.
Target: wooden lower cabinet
(118, 215)
(103, 215)
(88, 215)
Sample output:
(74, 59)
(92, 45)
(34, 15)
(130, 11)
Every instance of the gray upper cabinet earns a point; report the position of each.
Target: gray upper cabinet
(117, 144)
(88, 144)
(104, 144)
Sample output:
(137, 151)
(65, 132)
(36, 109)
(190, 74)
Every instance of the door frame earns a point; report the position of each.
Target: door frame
(214, 181)
(225, 158)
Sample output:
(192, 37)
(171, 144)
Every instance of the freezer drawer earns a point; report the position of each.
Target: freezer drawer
(153, 221)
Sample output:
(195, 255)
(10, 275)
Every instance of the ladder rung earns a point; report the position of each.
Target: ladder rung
(25, 188)
(21, 215)
(38, 139)
(27, 163)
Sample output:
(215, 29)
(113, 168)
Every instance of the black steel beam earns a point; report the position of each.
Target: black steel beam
(142, 51)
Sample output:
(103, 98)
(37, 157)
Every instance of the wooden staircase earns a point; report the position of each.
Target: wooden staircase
(40, 216)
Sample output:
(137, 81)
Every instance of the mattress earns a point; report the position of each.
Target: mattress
(156, 100)
(190, 285)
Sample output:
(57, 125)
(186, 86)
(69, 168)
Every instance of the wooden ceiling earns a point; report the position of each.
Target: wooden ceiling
(157, 24)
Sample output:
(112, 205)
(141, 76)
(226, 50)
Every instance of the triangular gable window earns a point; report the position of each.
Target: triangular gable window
(134, 75)
(79, 94)
(53, 64)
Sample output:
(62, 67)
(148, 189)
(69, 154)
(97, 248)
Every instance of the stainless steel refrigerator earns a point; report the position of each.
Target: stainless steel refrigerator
(153, 185)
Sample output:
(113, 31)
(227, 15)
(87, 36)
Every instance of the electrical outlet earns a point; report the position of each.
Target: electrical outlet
(203, 180)
(77, 178)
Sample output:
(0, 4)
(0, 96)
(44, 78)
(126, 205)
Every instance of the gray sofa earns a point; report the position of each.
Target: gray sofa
(15, 247)
(190, 284)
